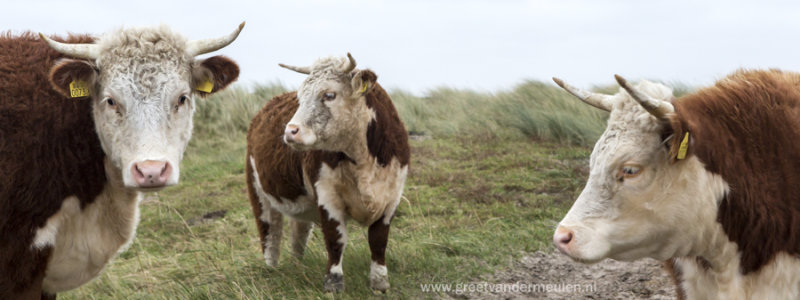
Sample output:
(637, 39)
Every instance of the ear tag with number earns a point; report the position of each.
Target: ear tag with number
(206, 86)
(78, 88)
(363, 89)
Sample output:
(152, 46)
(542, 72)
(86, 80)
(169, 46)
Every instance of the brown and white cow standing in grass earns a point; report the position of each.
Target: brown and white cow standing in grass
(81, 138)
(334, 150)
(709, 183)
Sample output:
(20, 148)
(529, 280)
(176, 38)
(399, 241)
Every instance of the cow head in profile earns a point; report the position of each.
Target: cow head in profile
(332, 105)
(639, 200)
(142, 83)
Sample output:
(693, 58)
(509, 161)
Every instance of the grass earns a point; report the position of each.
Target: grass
(531, 110)
(490, 184)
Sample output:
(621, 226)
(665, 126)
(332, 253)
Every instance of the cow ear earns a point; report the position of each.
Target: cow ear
(73, 78)
(679, 139)
(213, 74)
(362, 82)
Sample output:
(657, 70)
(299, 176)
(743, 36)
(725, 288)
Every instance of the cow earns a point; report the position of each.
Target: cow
(334, 150)
(86, 126)
(707, 183)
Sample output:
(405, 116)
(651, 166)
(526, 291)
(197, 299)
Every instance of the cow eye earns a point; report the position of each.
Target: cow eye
(110, 101)
(630, 171)
(183, 99)
(330, 96)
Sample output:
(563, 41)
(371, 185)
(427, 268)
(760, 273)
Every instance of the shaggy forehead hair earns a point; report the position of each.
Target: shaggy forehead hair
(627, 113)
(328, 65)
(145, 51)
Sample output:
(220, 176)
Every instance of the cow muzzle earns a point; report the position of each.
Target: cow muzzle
(151, 173)
(298, 137)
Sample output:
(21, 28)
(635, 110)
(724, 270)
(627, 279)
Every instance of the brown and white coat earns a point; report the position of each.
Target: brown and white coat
(335, 150)
(72, 170)
(724, 212)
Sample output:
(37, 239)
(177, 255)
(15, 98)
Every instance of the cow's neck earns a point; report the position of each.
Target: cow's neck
(711, 269)
(356, 145)
(88, 237)
(359, 153)
(702, 250)
(715, 273)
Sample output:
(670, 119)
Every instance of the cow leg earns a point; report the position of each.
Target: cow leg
(268, 221)
(270, 230)
(271, 237)
(378, 238)
(300, 232)
(334, 230)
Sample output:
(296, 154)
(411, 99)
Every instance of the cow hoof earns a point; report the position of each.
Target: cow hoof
(379, 292)
(334, 283)
(298, 253)
(271, 263)
(379, 283)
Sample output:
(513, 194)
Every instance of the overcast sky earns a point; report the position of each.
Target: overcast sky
(485, 45)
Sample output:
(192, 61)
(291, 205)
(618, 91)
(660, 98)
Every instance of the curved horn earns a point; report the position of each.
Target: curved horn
(197, 47)
(594, 99)
(658, 108)
(88, 51)
(349, 65)
(302, 70)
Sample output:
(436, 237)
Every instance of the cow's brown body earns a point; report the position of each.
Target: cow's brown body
(48, 151)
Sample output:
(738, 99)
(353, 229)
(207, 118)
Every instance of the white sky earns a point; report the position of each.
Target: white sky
(485, 45)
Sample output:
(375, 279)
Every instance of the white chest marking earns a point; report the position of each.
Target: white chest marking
(365, 192)
(778, 280)
(85, 240)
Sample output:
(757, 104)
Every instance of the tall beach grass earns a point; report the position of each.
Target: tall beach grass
(531, 110)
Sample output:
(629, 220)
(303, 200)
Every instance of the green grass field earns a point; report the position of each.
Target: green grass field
(489, 182)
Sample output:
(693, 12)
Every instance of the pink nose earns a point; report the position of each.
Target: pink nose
(562, 238)
(151, 173)
(291, 132)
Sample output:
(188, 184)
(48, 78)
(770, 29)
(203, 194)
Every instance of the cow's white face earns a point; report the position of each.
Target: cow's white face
(636, 202)
(332, 109)
(143, 116)
(142, 85)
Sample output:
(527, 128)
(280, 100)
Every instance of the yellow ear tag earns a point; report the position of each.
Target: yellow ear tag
(206, 86)
(363, 89)
(78, 88)
(684, 146)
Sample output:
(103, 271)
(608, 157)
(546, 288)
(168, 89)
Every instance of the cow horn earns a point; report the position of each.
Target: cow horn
(302, 70)
(658, 108)
(198, 47)
(594, 99)
(87, 51)
(348, 65)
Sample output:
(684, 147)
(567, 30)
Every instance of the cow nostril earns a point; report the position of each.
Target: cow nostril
(292, 130)
(164, 169)
(566, 238)
(563, 237)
